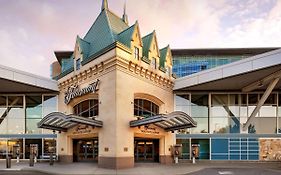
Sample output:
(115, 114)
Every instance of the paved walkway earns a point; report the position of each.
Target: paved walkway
(139, 169)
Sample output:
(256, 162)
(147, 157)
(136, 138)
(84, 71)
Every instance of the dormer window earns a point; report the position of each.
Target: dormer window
(137, 53)
(153, 63)
(78, 64)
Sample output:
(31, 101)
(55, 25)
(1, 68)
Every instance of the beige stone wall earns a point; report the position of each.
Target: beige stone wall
(270, 149)
(121, 80)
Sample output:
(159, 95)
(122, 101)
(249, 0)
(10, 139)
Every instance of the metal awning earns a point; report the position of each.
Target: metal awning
(169, 122)
(62, 122)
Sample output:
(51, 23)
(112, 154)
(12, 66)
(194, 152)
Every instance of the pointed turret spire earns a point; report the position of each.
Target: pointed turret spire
(125, 16)
(104, 5)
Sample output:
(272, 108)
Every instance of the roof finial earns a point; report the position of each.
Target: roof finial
(104, 5)
(125, 16)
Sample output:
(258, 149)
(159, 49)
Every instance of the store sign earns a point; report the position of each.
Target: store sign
(74, 91)
(82, 129)
(149, 130)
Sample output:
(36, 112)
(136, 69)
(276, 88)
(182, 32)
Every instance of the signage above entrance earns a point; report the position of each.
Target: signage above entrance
(74, 91)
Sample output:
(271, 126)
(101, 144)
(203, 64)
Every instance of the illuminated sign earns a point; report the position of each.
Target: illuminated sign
(74, 91)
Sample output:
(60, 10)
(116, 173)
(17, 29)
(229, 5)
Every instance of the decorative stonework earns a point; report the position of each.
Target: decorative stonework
(270, 149)
(96, 70)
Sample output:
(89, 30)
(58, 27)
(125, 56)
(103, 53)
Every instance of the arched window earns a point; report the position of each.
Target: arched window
(88, 108)
(145, 108)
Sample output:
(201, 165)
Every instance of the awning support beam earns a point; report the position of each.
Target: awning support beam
(261, 102)
(262, 82)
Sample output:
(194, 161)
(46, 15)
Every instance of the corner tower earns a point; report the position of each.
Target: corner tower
(119, 79)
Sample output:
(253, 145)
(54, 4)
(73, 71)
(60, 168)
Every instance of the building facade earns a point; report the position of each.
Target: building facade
(115, 102)
(24, 100)
(190, 61)
(237, 109)
(116, 97)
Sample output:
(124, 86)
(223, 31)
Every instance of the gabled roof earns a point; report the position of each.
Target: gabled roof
(104, 31)
(125, 37)
(163, 55)
(85, 46)
(146, 40)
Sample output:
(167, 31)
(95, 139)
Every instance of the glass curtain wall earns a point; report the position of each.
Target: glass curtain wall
(11, 115)
(197, 107)
(226, 113)
(33, 114)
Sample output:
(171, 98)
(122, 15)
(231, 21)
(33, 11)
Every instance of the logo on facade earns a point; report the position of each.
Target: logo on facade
(82, 129)
(74, 91)
(149, 130)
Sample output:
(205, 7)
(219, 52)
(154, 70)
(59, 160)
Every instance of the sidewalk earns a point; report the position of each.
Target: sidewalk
(139, 169)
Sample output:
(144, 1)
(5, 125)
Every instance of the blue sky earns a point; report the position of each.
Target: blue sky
(31, 30)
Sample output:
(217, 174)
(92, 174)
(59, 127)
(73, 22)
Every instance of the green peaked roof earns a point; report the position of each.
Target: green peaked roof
(163, 54)
(125, 37)
(146, 40)
(85, 46)
(104, 31)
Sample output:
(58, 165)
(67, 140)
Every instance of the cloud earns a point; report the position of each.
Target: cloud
(31, 30)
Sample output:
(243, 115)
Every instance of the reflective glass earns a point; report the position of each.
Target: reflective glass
(13, 116)
(33, 113)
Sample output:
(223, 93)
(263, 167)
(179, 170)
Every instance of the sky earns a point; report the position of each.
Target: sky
(31, 30)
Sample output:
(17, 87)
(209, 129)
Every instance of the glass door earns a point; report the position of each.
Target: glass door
(146, 150)
(85, 150)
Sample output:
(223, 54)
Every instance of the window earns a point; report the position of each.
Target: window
(78, 64)
(88, 108)
(137, 55)
(145, 108)
(203, 67)
(153, 63)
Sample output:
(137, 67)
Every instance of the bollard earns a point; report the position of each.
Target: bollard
(193, 159)
(8, 161)
(18, 158)
(31, 160)
(51, 159)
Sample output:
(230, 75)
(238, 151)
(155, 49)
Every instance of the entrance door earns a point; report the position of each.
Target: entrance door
(85, 150)
(146, 150)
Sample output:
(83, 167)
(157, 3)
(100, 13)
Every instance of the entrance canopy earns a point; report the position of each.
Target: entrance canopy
(170, 122)
(61, 122)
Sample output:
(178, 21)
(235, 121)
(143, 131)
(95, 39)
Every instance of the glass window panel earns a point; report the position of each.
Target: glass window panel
(183, 103)
(34, 107)
(185, 148)
(3, 148)
(271, 99)
(145, 108)
(49, 146)
(219, 99)
(31, 126)
(219, 125)
(49, 105)
(253, 99)
(3, 100)
(219, 111)
(13, 116)
(268, 111)
(15, 147)
(199, 106)
(15, 101)
(33, 142)
(202, 125)
(234, 99)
